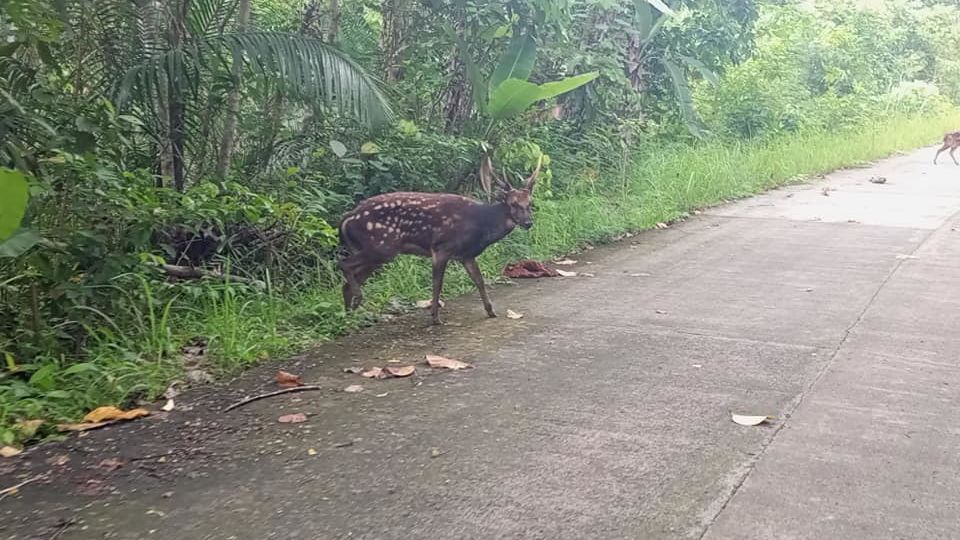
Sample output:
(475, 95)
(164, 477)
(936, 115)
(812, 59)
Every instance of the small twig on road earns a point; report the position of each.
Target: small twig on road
(13, 489)
(63, 528)
(251, 399)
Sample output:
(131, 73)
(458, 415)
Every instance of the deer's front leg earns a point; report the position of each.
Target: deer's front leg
(473, 270)
(440, 260)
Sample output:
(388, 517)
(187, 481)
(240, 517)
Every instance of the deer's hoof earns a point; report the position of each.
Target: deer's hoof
(491, 314)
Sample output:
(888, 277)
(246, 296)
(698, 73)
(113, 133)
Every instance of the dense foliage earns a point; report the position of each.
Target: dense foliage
(186, 160)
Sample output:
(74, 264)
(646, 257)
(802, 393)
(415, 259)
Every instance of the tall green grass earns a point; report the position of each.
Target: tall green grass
(242, 326)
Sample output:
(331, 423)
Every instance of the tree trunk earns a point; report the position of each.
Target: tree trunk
(458, 104)
(392, 37)
(333, 22)
(176, 108)
(233, 100)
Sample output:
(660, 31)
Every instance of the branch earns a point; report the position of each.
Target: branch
(244, 401)
(190, 272)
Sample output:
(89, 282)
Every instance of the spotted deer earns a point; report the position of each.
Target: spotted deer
(441, 226)
(951, 141)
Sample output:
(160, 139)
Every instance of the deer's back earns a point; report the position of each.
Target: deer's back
(407, 222)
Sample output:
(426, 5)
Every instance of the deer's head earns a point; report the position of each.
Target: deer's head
(518, 200)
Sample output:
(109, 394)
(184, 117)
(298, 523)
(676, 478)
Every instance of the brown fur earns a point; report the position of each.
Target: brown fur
(951, 141)
(441, 226)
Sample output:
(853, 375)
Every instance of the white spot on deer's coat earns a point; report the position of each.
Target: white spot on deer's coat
(366, 213)
(378, 207)
(369, 225)
(378, 225)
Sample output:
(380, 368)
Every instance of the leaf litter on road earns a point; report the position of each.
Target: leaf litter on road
(441, 362)
(294, 418)
(747, 420)
(511, 314)
(353, 389)
(288, 380)
(389, 372)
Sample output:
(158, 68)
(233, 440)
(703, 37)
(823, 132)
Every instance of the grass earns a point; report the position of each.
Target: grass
(242, 327)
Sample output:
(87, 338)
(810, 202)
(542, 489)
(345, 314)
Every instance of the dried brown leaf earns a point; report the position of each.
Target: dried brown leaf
(108, 413)
(662, 225)
(294, 418)
(402, 371)
(372, 373)
(440, 362)
(288, 380)
(28, 428)
(353, 389)
(565, 273)
(168, 406)
(9, 451)
(110, 464)
(83, 426)
(353, 369)
(511, 314)
(565, 262)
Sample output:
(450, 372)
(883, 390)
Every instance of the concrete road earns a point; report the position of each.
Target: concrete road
(604, 413)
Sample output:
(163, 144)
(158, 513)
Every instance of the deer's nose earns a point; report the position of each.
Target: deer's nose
(527, 223)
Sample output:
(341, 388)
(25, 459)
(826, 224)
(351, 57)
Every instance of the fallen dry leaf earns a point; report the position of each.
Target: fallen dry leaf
(587, 274)
(402, 371)
(528, 269)
(905, 257)
(565, 262)
(353, 369)
(446, 363)
(28, 428)
(110, 464)
(744, 420)
(288, 380)
(58, 461)
(565, 273)
(878, 180)
(83, 426)
(108, 413)
(311, 451)
(353, 389)
(661, 312)
(168, 406)
(294, 418)
(662, 225)
(424, 304)
(372, 373)
(9, 451)
(385, 394)
(511, 314)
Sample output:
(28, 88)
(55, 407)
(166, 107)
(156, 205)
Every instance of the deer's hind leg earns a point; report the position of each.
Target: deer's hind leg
(952, 150)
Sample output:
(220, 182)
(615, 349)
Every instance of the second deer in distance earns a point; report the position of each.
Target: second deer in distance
(441, 226)
(951, 141)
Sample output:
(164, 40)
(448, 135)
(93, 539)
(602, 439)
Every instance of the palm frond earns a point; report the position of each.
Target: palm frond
(312, 71)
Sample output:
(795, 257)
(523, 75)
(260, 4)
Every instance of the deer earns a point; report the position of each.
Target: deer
(441, 226)
(951, 141)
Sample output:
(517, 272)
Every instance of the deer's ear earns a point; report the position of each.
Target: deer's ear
(532, 180)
